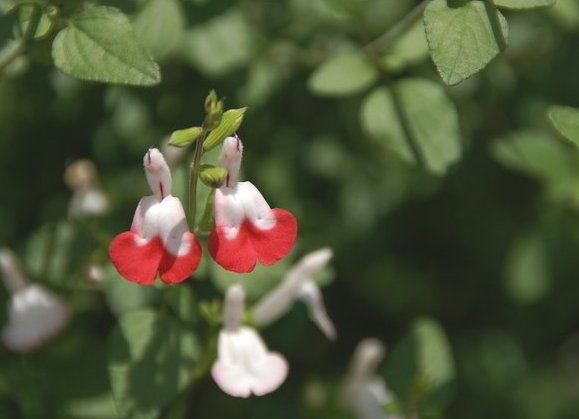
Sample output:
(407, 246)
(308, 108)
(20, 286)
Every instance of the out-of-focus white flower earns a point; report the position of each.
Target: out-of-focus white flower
(364, 391)
(298, 284)
(35, 314)
(173, 155)
(88, 198)
(244, 366)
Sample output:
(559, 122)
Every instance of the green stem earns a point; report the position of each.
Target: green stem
(194, 177)
(402, 26)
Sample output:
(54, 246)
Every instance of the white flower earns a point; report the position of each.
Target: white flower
(35, 315)
(364, 391)
(298, 284)
(88, 199)
(244, 366)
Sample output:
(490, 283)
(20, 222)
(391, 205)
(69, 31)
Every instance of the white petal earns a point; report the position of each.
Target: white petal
(165, 219)
(158, 173)
(87, 202)
(230, 158)
(244, 365)
(278, 302)
(12, 274)
(35, 315)
(233, 307)
(310, 294)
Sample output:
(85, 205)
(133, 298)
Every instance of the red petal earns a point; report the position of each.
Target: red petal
(175, 269)
(273, 244)
(235, 255)
(137, 263)
(252, 244)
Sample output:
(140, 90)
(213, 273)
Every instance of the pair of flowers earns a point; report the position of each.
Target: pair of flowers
(159, 242)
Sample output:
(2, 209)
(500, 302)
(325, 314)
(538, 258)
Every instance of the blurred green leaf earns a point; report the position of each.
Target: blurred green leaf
(7, 5)
(99, 45)
(414, 113)
(221, 45)
(566, 13)
(463, 38)
(343, 74)
(185, 137)
(100, 407)
(212, 176)
(566, 121)
(182, 302)
(150, 361)
(523, 4)
(410, 48)
(123, 295)
(434, 353)
(526, 270)
(230, 123)
(43, 26)
(160, 26)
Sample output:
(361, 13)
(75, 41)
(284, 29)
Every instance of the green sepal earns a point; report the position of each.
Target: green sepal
(185, 137)
(207, 222)
(214, 110)
(212, 176)
(230, 122)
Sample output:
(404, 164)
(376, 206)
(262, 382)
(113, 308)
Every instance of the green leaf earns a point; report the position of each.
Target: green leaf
(343, 74)
(434, 353)
(523, 4)
(160, 26)
(410, 48)
(566, 122)
(527, 274)
(416, 120)
(230, 122)
(463, 39)
(43, 26)
(182, 302)
(221, 45)
(99, 45)
(123, 296)
(151, 358)
(99, 407)
(212, 176)
(185, 137)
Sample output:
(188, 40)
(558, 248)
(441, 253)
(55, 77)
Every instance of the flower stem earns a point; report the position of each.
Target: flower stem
(194, 177)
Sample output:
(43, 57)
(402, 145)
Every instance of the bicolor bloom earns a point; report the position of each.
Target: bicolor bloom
(364, 391)
(35, 315)
(247, 230)
(244, 366)
(159, 242)
(298, 284)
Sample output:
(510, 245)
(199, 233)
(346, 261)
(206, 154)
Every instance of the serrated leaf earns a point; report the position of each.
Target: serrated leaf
(150, 361)
(463, 39)
(414, 111)
(523, 4)
(343, 74)
(160, 26)
(213, 176)
(230, 122)
(566, 121)
(221, 45)
(99, 45)
(185, 137)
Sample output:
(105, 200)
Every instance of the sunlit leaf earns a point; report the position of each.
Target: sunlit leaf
(523, 4)
(43, 26)
(416, 120)
(463, 38)
(150, 361)
(410, 48)
(230, 123)
(99, 45)
(344, 74)
(159, 26)
(526, 269)
(566, 120)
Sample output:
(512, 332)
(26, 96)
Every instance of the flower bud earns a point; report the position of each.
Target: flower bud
(158, 173)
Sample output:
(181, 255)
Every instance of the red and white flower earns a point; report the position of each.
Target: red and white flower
(35, 315)
(247, 230)
(244, 366)
(159, 242)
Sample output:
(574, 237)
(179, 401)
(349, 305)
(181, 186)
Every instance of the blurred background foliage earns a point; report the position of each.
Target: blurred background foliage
(474, 249)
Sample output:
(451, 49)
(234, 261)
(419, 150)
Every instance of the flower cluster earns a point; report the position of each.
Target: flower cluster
(159, 242)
